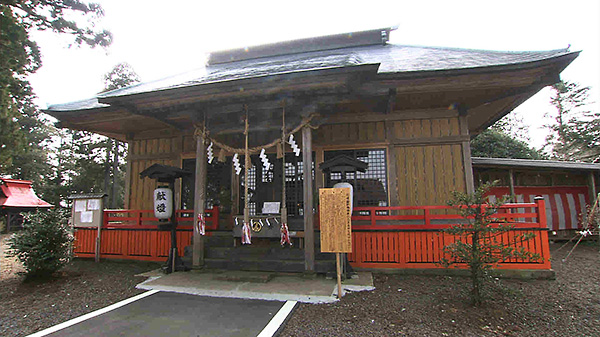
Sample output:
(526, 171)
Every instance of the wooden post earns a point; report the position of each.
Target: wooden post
(309, 232)
(339, 274)
(199, 199)
(128, 174)
(511, 184)
(466, 150)
(592, 188)
(99, 234)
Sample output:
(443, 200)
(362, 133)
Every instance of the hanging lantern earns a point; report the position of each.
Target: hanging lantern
(163, 203)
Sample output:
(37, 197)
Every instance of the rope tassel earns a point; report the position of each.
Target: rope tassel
(246, 234)
(201, 225)
(285, 235)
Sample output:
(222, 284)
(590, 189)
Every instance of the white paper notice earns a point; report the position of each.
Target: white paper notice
(80, 205)
(271, 207)
(87, 217)
(93, 204)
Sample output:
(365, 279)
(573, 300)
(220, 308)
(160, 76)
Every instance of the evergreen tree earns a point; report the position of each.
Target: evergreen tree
(24, 135)
(493, 143)
(574, 135)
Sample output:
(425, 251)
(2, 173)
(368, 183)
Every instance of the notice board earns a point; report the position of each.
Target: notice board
(334, 215)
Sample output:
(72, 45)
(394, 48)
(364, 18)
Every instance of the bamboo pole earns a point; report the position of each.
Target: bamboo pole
(246, 171)
(283, 191)
(200, 197)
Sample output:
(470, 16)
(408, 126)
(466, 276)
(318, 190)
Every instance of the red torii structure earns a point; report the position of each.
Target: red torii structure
(17, 196)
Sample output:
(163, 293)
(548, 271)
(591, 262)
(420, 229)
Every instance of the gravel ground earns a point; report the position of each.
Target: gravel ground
(82, 287)
(439, 306)
(400, 305)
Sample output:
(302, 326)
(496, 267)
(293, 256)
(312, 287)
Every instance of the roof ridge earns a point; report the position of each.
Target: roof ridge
(303, 45)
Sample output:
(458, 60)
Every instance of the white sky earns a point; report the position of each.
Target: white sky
(160, 40)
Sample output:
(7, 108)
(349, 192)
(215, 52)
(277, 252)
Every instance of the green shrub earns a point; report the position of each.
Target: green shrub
(479, 244)
(44, 244)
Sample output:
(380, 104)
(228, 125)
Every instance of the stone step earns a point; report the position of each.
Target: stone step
(268, 265)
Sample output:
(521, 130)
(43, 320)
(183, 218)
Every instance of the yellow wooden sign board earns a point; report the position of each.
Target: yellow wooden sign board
(334, 212)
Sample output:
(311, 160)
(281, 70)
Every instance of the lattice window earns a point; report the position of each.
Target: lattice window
(370, 187)
(268, 187)
(218, 185)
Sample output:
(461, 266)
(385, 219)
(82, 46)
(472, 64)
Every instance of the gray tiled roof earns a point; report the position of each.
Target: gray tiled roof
(530, 163)
(392, 59)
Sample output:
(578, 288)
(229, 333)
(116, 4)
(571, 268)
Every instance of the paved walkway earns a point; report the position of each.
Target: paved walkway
(233, 303)
(173, 314)
(256, 285)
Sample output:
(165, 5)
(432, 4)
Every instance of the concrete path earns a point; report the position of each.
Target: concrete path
(173, 314)
(256, 285)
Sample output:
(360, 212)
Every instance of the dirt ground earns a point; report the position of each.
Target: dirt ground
(439, 306)
(82, 287)
(400, 305)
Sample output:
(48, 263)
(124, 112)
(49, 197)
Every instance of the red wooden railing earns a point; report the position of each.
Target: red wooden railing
(385, 238)
(144, 219)
(134, 235)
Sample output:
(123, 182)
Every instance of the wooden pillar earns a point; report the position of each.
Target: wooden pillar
(592, 188)
(466, 150)
(309, 231)
(199, 199)
(128, 175)
(319, 175)
(511, 185)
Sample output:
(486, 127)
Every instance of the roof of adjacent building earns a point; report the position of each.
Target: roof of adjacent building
(19, 194)
(530, 163)
(329, 52)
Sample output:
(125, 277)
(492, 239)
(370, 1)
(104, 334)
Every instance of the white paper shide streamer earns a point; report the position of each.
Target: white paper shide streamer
(236, 164)
(294, 146)
(209, 153)
(264, 159)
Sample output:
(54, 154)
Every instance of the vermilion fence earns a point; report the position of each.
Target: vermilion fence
(383, 237)
(134, 234)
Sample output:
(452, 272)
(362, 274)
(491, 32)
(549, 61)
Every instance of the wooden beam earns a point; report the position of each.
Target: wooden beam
(309, 231)
(155, 156)
(466, 150)
(391, 116)
(199, 200)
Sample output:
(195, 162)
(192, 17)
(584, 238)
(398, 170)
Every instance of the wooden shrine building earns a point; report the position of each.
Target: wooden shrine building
(17, 196)
(407, 112)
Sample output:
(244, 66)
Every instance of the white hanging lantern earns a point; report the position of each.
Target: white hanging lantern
(163, 203)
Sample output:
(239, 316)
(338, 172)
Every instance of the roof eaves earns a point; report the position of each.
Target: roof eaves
(549, 164)
(478, 69)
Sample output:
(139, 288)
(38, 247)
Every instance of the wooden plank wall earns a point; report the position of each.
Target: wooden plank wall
(424, 156)
(427, 174)
(144, 153)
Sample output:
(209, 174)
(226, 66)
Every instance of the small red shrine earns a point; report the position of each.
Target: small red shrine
(17, 196)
